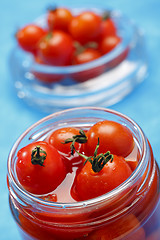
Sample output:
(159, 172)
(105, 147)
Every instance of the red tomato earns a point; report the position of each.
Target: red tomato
(115, 61)
(108, 28)
(34, 229)
(113, 137)
(85, 27)
(58, 137)
(108, 43)
(120, 229)
(59, 18)
(44, 173)
(87, 55)
(29, 36)
(46, 77)
(90, 184)
(56, 48)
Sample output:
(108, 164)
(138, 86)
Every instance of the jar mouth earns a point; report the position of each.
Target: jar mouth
(106, 197)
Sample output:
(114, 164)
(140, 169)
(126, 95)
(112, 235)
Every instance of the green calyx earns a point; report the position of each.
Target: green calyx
(49, 35)
(79, 138)
(38, 156)
(106, 15)
(98, 161)
(81, 48)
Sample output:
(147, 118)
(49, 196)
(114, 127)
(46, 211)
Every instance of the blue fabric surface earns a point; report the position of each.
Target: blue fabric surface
(142, 105)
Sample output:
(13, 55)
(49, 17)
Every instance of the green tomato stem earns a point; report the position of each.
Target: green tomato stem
(98, 161)
(79, 138)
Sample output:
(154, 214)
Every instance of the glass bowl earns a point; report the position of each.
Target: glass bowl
(125, 67)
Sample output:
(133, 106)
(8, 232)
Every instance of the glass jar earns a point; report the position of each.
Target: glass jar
(130, 211)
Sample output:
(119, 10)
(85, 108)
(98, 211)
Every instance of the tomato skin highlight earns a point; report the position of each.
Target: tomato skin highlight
(85, 27)
(29, 36)
(56, 48)
(87, 55)
(90, 184)
(38, 179)
(108, 43)
(113, 137)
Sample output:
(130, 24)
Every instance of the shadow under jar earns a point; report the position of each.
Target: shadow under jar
(130, 211)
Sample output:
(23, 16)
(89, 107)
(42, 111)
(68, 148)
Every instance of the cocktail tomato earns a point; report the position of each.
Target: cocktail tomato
(39, 168)
(85, 27)
(59, 19)
(34, 229)
(121, 229)
(90, 183)
(113, 137)
(85, 56)
(29, 36)
(59, 136)
(46, 77)
(108, 28)
(56, 48)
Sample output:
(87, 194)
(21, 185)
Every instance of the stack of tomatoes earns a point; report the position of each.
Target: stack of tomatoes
(69, 39)
(95, 158)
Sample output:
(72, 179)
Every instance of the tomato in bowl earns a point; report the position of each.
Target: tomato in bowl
(102, 68)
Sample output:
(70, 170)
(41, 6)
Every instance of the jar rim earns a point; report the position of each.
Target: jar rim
(129, 182)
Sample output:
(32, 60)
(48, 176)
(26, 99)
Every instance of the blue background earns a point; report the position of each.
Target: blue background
(142, 105)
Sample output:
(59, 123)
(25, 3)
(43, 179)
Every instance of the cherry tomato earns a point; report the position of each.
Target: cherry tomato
(108, 43)
(59, 18)
(34, 229)
(46, 77)
(39, 167)
(90, 184)
(56, 48)
(58, 137)
(120, 229)
(108, 28)
(117, 60)
(85, 27)
(29, 36)
(87, 55)
(113, 137)
(63, 139)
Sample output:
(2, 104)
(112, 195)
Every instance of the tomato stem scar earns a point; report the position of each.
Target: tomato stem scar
(38, 156)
